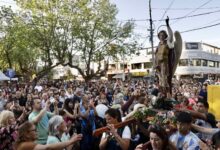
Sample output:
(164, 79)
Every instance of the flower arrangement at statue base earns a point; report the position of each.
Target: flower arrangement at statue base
(165, 119)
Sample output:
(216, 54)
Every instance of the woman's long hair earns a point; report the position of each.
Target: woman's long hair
(66, 105)
(4, 117)
(161, 133)
(114, 113)
(22, 132)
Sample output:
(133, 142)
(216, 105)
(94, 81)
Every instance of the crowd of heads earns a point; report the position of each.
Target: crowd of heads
(68, 108)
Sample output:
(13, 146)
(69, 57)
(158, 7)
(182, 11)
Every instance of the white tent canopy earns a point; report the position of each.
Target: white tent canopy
(118, 76)
(3, 77)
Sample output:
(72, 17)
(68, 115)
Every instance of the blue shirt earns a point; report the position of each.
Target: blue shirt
(189, 141)
(90, 118)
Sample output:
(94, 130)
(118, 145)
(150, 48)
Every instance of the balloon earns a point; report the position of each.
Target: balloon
(101, 109)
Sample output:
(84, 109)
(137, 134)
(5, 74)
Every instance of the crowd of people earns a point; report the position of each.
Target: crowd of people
(64, 114)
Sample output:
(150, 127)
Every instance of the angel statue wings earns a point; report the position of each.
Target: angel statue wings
(167, 56)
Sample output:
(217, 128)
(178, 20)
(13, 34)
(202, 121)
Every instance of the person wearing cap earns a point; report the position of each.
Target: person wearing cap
(184, 138)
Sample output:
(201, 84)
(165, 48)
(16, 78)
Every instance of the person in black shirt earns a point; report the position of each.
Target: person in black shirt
(22, 100)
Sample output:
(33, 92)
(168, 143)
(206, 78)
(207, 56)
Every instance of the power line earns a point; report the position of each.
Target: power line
(165, 12)
(200, 28)
(217, 24)
(193, 10)
(177, 18)
(212, 22)
(185, 8)
(196, 15)
(195, 29)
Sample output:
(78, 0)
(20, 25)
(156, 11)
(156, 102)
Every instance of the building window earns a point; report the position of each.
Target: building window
(217, 64)
(113, 66)
(136, 66)
(183, 62)
(196, 62)
(191, 62)
(211, 63)
(147, 65)
(204, 62)
(123, 66)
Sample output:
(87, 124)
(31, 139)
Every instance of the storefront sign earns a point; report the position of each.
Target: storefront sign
(139, 74)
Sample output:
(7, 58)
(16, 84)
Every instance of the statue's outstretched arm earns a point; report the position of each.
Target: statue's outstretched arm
(170, 32)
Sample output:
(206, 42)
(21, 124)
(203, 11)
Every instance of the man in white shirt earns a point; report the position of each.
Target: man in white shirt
(38, 87)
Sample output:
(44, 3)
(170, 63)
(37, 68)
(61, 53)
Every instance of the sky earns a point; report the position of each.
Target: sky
(138, 10)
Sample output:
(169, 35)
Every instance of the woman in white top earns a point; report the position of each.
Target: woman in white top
(117, 139)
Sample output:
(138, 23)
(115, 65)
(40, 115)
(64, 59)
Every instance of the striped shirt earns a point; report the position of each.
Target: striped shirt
(187, 142)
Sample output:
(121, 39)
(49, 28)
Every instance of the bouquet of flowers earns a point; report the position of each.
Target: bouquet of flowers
(145, 113)
(166, 119)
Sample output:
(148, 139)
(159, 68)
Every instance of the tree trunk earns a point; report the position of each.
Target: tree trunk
(8, 59)
(42, 73)
(88, 78)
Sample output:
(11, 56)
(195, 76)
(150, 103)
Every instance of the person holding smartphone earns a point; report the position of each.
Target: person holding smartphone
(87, 112)
(40, 117)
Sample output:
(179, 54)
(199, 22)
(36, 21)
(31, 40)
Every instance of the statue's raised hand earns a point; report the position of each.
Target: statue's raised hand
(167, 21)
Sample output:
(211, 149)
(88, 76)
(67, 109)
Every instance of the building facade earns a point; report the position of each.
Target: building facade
(198, 60)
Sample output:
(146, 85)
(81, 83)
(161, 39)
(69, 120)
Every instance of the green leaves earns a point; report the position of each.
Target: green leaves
(56, 30)
(144, 113)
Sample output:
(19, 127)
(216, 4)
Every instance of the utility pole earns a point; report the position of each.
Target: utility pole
(123, 77)
(151, 36)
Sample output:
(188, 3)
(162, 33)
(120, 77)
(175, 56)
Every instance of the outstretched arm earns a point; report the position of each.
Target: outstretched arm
(195, 114)
(170, 32)
(204, 130)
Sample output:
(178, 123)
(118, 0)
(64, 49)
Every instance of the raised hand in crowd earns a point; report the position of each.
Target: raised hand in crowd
(76, 137)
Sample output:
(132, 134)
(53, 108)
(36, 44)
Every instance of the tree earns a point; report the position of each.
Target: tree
(14, 49)
(99, 36)
(60, 30)
(7, 41)
(16, 46)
